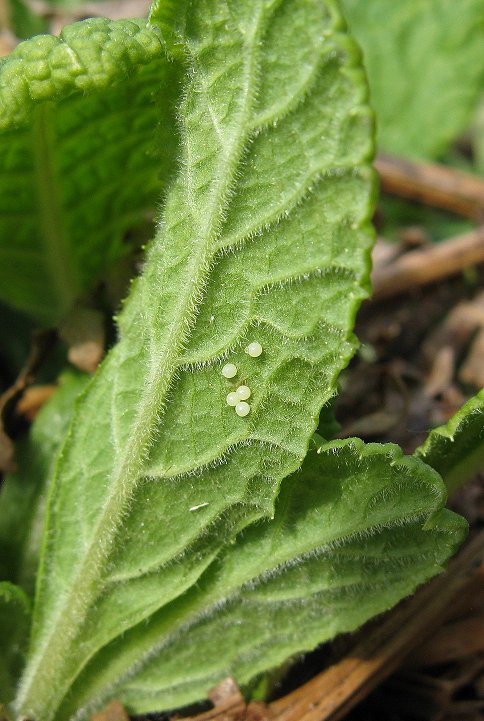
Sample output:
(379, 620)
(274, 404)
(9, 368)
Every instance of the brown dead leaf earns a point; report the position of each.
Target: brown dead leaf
(83, 331)
(230, 705)
(115, 711)
(451, 642)
(42, 342)
(227, 691)
(472, 369)
(33, 399)
(384, 252)
(8, 42)
(413, 236)
(60, 15)
(443, 347)
(4, 15)
(441, 373)
(457, 328)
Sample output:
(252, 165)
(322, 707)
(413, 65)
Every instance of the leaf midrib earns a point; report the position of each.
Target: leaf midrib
(53, 680)
(51, 221)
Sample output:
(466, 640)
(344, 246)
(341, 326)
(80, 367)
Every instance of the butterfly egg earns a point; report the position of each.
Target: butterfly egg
(232, 399)
(242, 409)
(254, 349)
(242, 393)
(229, 370)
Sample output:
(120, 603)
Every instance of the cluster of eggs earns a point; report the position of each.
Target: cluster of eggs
(238, 398)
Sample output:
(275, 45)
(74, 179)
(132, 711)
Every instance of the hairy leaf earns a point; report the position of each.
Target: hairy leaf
(356, 530)
(82, 116)
(14, 632)
(264, 237)
(23, 494)
(456, 450)
(424, 66)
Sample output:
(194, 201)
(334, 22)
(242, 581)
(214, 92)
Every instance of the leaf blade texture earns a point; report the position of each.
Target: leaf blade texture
(265, 237)
(82, 115)
(416, 54)
(355, 530)
(456, 449)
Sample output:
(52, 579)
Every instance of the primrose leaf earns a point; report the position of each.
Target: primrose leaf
(417, 54)
(456, 449)
(14, 633)
(264, 237)
(23, 494)
(82, 117)
(355, 530)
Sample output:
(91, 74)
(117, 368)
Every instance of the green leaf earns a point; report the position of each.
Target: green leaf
(23, 21)
(265, 236)
(357, 529)
(423, 59)
(456, 449)
(23, 494)
(81, 117)
(14, 631)
(170, 17)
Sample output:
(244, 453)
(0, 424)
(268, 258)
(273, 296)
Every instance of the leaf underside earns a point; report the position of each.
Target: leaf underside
(417, 53)
(355, 530)
(82, 117)
(264, 237)
(456, 449)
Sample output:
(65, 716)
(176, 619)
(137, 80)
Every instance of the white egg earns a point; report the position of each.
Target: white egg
(242, 393)
(254, 349)
(229, 370)
(232, 399)
(242, 409)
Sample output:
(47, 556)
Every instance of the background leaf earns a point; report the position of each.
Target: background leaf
(423, 59)
(14, 632)
(84, 119)
(23, 494)
(22, 20)
(264, 237)
(456, 449)
(355, 530)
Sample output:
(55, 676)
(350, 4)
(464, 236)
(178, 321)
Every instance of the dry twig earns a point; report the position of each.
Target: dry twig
(435, 185)
(423, 266)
